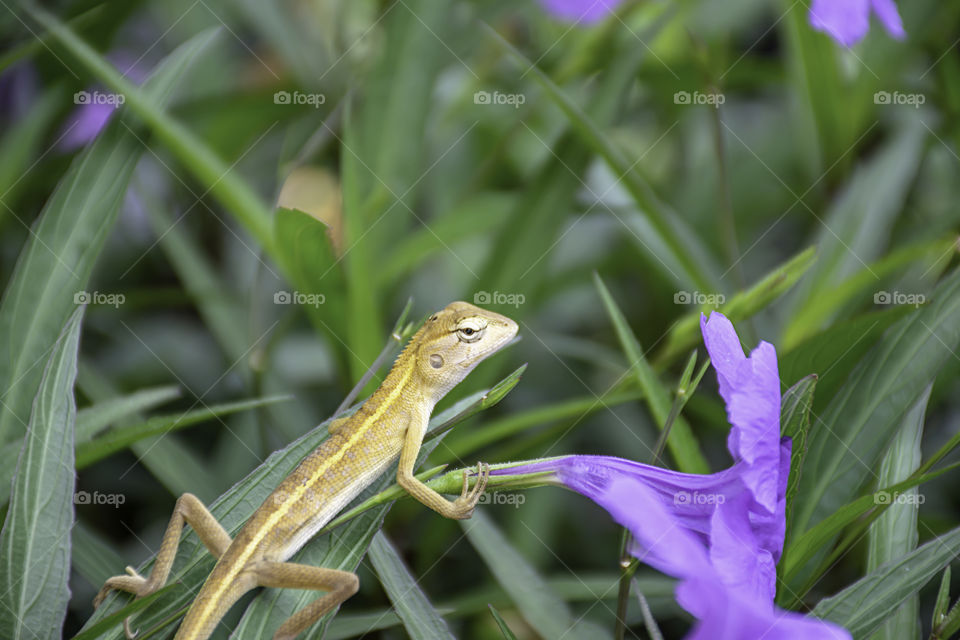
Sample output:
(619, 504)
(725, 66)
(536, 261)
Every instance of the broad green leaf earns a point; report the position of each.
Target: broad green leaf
(795, 409)
(894, 534)
(341, 549)
(863, 606)
(681, 442)
(419, 617)
(56, 262)
(544, 610)
(860, 512)
(859, 423)
(121, 438)
(35, 540)
(212, 172)
(308, 259)
(685, 334)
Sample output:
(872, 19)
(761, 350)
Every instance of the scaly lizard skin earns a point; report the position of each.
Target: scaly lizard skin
(390, 424)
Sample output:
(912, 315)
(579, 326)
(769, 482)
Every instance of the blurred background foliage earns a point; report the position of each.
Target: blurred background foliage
(355, 155)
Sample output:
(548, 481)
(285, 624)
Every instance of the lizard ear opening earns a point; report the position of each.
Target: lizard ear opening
(436, 360)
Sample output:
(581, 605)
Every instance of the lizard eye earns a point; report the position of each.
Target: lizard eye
(470, 331)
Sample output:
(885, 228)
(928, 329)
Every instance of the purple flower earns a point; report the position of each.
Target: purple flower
(720, 534)
(585, 11)
(847, 21)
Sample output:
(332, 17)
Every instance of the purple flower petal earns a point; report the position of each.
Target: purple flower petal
(750, 388)
(847, 21)
(580, 11)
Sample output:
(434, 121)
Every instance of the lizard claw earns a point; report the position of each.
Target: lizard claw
(469, 497)
(126, 630)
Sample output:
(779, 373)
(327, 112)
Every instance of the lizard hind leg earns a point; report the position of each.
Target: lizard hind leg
(188, 510)
(339, 586)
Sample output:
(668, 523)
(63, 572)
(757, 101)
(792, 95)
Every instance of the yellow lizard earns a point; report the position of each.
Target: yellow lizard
(390, 424)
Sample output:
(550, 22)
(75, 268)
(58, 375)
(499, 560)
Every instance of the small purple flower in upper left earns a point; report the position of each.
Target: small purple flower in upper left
(847, 21)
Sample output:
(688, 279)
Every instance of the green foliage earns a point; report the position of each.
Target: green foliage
(491, 153)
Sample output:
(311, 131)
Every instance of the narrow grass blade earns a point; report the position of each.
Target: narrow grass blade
(502, 624)
(95, 418)
(35, 540)
(544, 610)
(118, 439)
(686, 332)
(682, 443)
(419, 617)
(795, 409)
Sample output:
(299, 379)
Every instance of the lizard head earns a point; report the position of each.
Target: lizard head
(455, 339)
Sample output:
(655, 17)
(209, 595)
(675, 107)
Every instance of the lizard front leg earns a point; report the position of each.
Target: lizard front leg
(188, 509)
(459, 509)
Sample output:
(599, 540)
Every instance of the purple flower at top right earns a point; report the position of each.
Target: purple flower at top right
(847, 21)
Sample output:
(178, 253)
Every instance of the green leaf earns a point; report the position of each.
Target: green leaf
(93, 557)
(544, 610)
(861, 420)
(56, 262)
(833, 353)
(681, 443)
(942, 602)
(419, 617)
(894, 534)
(213, 173)
(818, 537)
(828, 301)
(863, 606)
(35, 541)
(502, 624)
(856, 228)
(119, 439)
(681, 254)
(795, 409)
(93, 419)
(307, 257)
(685, 334)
